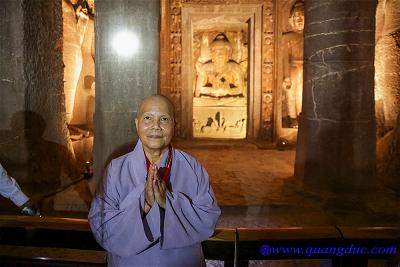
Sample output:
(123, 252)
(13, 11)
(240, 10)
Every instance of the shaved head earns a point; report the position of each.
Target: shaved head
(155, 123)
(156, 100)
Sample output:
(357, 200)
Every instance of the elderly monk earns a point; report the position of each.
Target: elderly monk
(155, 204)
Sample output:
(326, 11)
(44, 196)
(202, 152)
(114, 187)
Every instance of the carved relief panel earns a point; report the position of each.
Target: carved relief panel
(221, 65)
(220, 86)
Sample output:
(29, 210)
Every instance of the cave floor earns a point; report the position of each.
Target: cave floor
(255, 187)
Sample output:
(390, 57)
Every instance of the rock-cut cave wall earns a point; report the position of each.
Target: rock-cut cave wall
(34, 140)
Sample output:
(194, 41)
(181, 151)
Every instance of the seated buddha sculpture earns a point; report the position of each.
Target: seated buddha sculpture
(221, 76)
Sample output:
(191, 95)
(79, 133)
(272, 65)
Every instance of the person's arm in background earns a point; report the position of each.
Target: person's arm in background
(10, 189)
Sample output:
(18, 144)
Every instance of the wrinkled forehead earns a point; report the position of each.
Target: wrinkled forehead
(156, 106)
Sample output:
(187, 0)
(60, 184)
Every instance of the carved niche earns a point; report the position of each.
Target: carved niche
(171, 85)
(220, 89)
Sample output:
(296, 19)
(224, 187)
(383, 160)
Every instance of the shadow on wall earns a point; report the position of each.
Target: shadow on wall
(40, 166)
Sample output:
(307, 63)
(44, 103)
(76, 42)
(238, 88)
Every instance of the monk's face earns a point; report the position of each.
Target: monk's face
(155, 124)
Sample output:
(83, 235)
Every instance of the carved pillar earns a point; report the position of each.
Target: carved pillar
(336, 144)
(164, 48)
(268, 68)
(175, 61)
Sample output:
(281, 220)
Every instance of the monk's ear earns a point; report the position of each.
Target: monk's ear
(136, 124)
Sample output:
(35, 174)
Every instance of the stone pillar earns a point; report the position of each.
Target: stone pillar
(336, 144)
(50, 161)
(121, 82)
(34, 139)
(12, 81)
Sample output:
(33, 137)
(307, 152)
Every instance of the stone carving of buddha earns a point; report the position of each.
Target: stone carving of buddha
(292, 44)
(221, 76)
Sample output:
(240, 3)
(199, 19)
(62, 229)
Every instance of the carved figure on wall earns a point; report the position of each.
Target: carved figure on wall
(176, 49)
(79, 87)
(82, 16)
(267, 107)
(176, 20)
(221, 76)
(293, 43)
(268, 22)
(75, 22)
(176, 78)
(72, 55)
(81, 122)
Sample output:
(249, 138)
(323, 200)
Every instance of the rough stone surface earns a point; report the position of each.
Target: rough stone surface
(122, 82)
(12, 83)
(336, 144)
(48, 141)
(34, 141)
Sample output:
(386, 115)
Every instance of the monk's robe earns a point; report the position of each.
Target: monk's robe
(162, 237)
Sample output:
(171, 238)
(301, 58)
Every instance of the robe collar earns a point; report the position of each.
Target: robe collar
(140, 160)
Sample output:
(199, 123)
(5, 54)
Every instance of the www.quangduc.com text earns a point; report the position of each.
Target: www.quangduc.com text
(267, 250)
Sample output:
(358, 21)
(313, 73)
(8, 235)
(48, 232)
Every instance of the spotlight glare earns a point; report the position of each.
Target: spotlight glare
(125, 44)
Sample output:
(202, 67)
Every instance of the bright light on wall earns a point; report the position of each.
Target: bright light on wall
(125, 44)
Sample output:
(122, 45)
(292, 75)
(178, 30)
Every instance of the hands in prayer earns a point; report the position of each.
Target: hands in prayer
(155, 189)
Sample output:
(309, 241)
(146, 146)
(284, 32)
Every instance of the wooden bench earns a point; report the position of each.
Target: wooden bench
(47, 241)
(48, 256)
(42, 241)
